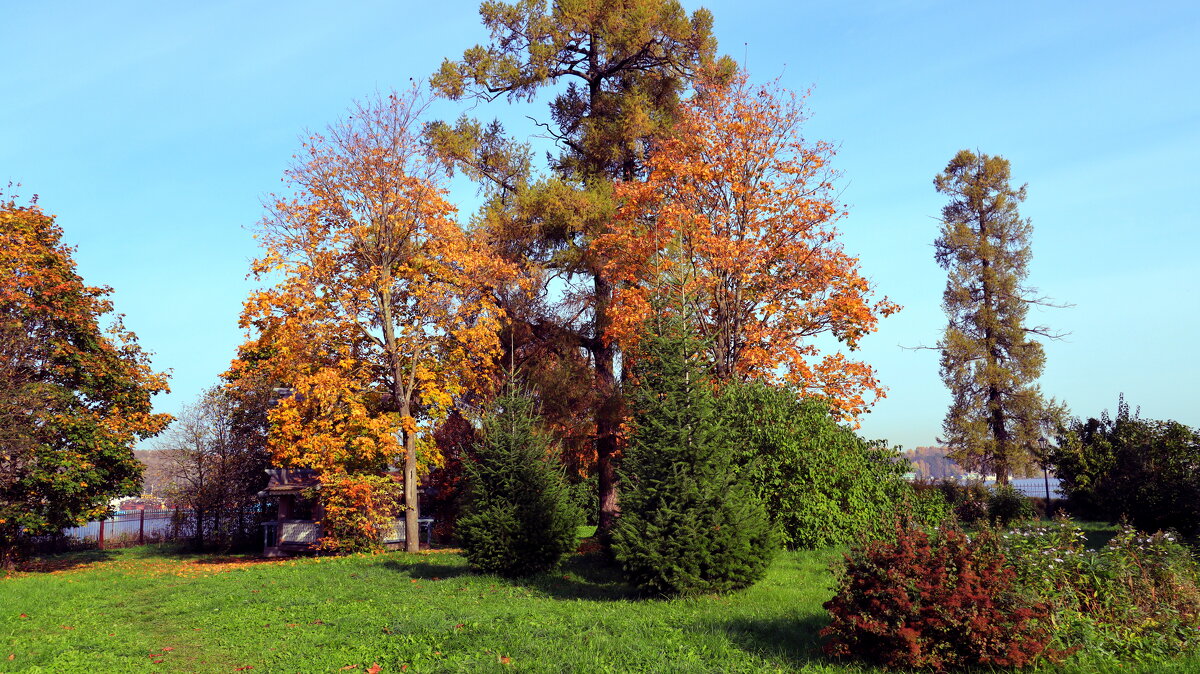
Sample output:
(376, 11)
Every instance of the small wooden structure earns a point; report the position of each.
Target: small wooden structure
(297, 525)
(297, 521)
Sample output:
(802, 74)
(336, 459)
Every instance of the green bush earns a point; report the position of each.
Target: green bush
(1143, 470)
(821, 483)
(928, 507)
(687, 526)
(518, 516)
(969, 501)
(586, 496)
(1006, 505)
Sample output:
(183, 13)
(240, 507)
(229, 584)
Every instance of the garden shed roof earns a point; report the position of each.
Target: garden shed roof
(289, 481)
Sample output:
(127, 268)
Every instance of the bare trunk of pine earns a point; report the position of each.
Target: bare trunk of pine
(608, 416)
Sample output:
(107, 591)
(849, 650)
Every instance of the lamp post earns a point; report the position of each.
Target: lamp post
(1042, 445)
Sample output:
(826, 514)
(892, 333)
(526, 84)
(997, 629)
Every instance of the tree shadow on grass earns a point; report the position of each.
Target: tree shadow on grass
(427, 570)
(589, 577)
(793, 641)
(63, 561)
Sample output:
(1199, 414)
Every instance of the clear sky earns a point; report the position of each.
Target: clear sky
(152, 129)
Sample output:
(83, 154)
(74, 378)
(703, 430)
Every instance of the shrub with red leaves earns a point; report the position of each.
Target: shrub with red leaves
(934, 601)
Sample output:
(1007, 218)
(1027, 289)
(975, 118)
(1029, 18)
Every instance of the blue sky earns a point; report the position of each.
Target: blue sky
(153, 130)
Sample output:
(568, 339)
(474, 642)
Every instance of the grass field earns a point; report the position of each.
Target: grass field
(152, 610)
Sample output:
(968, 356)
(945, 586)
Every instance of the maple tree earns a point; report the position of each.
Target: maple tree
(737, 211)
(625, 65)
(381, 315)
(990, 362)
(77, 395)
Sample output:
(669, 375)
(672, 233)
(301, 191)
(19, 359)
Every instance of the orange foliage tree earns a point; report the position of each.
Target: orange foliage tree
(380, 317)
(737, 212)
(75, 397)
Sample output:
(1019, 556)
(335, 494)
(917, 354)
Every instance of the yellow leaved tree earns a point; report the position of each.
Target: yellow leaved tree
(380, 314)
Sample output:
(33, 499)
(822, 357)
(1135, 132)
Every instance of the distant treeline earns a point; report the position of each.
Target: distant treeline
(932, 463)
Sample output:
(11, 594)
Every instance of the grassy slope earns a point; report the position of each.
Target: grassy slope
(425, 612)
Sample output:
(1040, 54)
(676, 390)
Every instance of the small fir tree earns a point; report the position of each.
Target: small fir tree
(519, 517)
(686, 525)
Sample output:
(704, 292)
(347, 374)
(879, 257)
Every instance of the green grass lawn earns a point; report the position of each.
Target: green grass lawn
(151, 610)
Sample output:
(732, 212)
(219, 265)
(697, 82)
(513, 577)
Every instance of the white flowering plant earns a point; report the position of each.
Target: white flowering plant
(1136, 598)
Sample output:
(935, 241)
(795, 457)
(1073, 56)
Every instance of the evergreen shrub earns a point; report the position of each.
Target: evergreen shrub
(518, 516)
(969, 500)
(687, 525)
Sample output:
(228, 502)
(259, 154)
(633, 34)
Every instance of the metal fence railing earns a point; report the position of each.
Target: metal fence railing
(131, 527)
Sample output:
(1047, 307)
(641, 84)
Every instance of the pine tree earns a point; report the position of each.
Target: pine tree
(617, 70)
(686, 526)
(989, 361)
(519, 518)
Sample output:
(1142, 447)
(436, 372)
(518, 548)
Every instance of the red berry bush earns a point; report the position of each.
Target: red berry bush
(934, 601)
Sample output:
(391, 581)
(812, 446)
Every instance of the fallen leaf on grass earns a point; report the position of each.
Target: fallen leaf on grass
(318, 622)
(242, 669)
(156, 661)
(66, 627)
(12, 656)
(23, 616)
(350, 667)
(374, 668)
(168, 649)
(504, 659)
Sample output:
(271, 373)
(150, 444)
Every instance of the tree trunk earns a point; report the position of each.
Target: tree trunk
(608, 416)
(412, 528)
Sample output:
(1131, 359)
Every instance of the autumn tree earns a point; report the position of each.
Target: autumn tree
(379, 319)
(76, 396)
(624, 66)
(740, 209)
(213, 471)
(990, 360)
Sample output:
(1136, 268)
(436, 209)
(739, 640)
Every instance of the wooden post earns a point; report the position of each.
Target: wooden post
(101, 541)
(142, 525)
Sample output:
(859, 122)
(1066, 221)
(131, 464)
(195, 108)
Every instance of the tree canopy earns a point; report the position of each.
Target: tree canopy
(75, 395)
(380, 316)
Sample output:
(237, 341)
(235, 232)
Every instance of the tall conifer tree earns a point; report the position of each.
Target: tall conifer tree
(687, 526)
(990, 362)
(620, 68)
